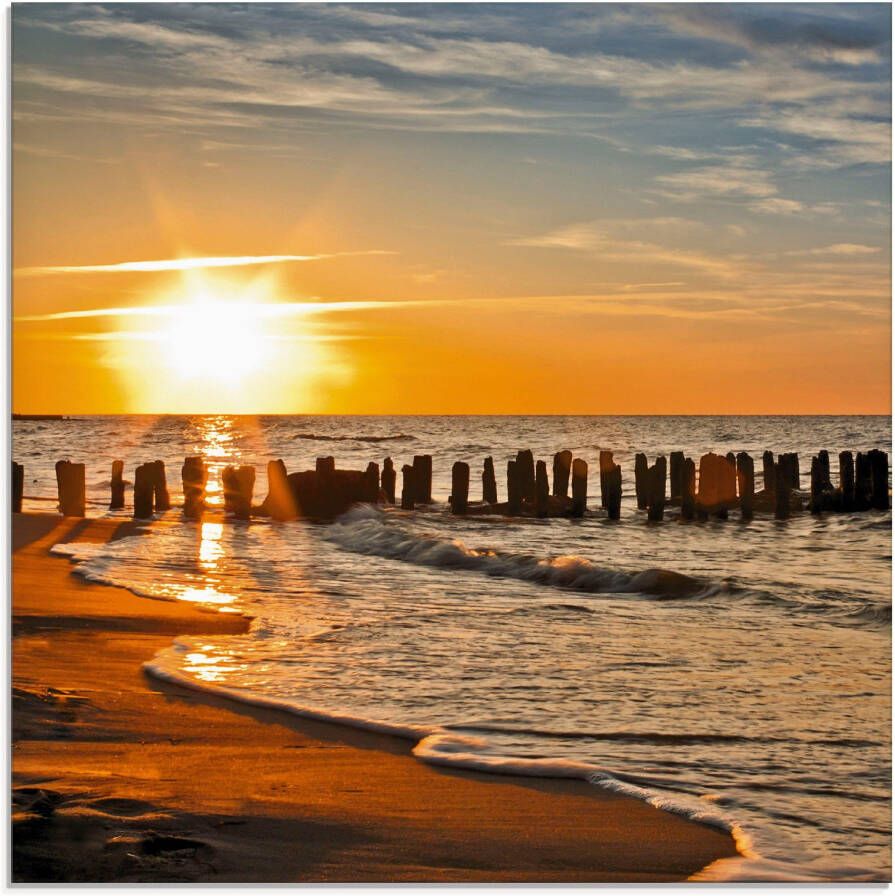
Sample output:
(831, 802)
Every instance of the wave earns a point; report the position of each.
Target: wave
(435, 745)
(322, 437)
(364, 530)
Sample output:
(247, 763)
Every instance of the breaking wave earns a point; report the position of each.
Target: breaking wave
(365, 530)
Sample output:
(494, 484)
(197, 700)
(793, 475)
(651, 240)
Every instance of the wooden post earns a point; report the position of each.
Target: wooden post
(245, 489)
(688, 489)
(161, 498)
(606, 464)
(117, 485)
(847, 480)
(727, 472)
(388, 479)
(280, 502)
(195, 477)
(459, 487)
(422, 467)
(18, 486)
(795, 476)
(579, 487)
(879, 475)
(824, 459)
(614, 492)
(71, 485)
(325, 467)
(656, 494)
(675, 470)
(782, 489)
(562, 467)
(746, 484)
(542, 489)
(717, 486)
(144, 487)
(769, 475)
(525, 471)
(640, 480)
(408, 487)
(489, 482)
(230, 487)
(371, 483)
(863, 482)
(817, 485)
(514, 494)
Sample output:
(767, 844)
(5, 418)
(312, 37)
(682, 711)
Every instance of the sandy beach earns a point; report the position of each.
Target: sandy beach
(117, 777)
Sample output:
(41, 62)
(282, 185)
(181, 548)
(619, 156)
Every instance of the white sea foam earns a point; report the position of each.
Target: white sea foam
(366, 530)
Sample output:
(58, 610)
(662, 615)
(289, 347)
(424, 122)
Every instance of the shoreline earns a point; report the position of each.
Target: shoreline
(119, 776)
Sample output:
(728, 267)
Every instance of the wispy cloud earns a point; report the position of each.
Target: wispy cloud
(255, 309)
(598, 240)
(181, 264)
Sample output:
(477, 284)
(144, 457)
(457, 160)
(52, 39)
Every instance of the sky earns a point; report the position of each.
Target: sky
(446, 208)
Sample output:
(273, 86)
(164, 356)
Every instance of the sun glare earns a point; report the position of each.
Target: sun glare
(214, 339)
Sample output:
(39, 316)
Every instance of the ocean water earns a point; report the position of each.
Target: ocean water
(738, 673)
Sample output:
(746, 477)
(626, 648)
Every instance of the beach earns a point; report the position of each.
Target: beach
(117, 777)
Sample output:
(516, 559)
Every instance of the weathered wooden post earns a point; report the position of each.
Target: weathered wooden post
(280, 502)
(229, 486)
(194, 476)
(863, 482)
(769, 475)
(727, 472)
(614, 492)
(459, 487)
(656, 493)
(579, 487)
(325, 467)
(117, 485)
(717, 486)
(879, 475)
(72, 489)
(18, 486)
(161, 498)
(245, 489)
(606, 464)
(525, 472)
(823, 458)
(675, 469)
(790, 464)
(847, 480)
(782, 489)
(514, 494)
(489, 482)
(408, 487)
(562, 467)
(745, 467)
(422, 467)
(388, 479)
(144, 487)
(688, 489)
(370, 487)
(817, 485)
(542, 489)
(640, 480)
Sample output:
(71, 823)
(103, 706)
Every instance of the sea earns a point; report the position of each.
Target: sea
(735, 672)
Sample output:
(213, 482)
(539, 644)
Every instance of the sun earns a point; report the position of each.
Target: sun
(214, 338)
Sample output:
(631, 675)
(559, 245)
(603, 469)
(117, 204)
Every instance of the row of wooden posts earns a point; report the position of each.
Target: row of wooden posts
(725, 482)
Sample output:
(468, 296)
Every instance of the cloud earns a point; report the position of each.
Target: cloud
(258, 309)
(592, 238)
(181, 264)
(846, 249)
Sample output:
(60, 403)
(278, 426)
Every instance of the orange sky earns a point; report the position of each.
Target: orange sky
(498, 260)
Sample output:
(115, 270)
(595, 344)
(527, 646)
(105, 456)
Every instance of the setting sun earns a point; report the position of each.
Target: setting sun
(213, 339)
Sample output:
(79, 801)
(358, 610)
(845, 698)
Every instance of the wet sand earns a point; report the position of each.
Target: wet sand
(118, 777)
